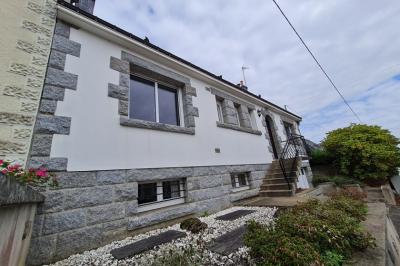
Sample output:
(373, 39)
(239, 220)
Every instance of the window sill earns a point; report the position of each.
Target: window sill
(158, 205)
(129, 122)
(242, 129)
(238, 189)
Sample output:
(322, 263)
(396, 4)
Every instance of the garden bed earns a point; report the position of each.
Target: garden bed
(193, 245)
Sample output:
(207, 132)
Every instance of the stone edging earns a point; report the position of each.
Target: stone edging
(57, 80)
(132, 64)
(242, 129)
(13, 192)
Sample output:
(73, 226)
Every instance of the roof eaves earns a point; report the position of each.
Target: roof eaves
(148, 44)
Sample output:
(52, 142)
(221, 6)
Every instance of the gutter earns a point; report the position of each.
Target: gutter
(67, 11)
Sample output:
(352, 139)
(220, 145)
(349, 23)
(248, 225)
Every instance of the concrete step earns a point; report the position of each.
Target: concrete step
(281, 180)
(275, 193)
(279, 186)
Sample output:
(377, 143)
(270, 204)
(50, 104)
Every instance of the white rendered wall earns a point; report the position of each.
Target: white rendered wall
(97, 141)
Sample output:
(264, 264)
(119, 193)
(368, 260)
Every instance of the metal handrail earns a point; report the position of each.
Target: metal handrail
(295, 147)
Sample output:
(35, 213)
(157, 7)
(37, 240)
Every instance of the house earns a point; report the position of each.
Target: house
(138, 136)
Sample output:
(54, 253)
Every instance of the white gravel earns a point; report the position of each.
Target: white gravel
(216, 228)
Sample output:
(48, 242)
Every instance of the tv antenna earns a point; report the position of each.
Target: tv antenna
(244, 76)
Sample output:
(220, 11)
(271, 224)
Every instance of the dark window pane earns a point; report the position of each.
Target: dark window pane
(168, 105)
(171, 189)
(142, 103)
(242, 180)
(147, 193)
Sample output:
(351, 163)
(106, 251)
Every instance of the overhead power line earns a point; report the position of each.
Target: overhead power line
(315, 59)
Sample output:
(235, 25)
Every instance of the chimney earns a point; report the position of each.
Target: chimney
(85, 5)
(242, 86)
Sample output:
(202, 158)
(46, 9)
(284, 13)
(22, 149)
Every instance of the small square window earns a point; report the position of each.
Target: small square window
(239, 180)
(147, 193)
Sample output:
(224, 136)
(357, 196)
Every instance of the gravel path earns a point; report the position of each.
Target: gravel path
(216, 228)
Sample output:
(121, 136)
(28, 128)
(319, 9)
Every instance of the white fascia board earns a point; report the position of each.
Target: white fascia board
(111, 35)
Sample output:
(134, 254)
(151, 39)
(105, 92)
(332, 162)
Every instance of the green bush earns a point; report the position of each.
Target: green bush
(332, 259)
(320, 157)
(330, 229)
(272, 247)
(338, 180)
(363, 152)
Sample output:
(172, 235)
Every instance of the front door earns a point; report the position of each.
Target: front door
(271, 138)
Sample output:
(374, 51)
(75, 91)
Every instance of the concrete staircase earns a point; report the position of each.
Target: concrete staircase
(374, 194)
(275, 185)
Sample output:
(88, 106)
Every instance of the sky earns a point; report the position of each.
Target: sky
(357, 42)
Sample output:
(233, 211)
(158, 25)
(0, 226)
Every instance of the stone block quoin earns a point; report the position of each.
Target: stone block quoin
(56, 82)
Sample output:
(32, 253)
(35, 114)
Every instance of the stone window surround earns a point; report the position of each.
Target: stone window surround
(244, 115)
(56, 82)
(131, 64)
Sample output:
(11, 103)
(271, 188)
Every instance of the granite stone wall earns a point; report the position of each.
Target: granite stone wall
(90, 209)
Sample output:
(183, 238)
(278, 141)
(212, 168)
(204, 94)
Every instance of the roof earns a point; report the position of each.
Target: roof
(152, 46)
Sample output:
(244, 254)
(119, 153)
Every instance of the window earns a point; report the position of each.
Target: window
(160, 194)
(147, 193)
(237, 115)
(219, 111)
(240, 181)
(288, 129)
(151, 101)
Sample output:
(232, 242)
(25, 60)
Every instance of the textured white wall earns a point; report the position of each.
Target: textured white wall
(97, 140)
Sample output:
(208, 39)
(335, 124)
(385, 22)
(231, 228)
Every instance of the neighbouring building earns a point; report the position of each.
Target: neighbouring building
(138, 136)
(26, 32)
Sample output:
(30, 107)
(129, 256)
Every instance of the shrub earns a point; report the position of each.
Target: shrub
(193, 225)
(338, 180)
(273, 247)
(320, 157)
(332, 259)
(329, 229)
(363, 152)
(350, 192)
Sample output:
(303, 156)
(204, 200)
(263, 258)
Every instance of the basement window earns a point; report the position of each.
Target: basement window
(159, 194)
(240, 181)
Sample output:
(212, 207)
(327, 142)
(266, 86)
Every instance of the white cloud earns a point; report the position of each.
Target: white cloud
(356, 41)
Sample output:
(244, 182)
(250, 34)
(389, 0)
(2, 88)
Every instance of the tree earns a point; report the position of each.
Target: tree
(363, 152)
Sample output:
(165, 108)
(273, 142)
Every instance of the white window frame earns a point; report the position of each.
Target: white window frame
(237, 186)
(179, 100)
(161, 203)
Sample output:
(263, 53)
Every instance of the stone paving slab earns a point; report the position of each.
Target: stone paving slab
(234, 215)
(146, 244)
(229, 242)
